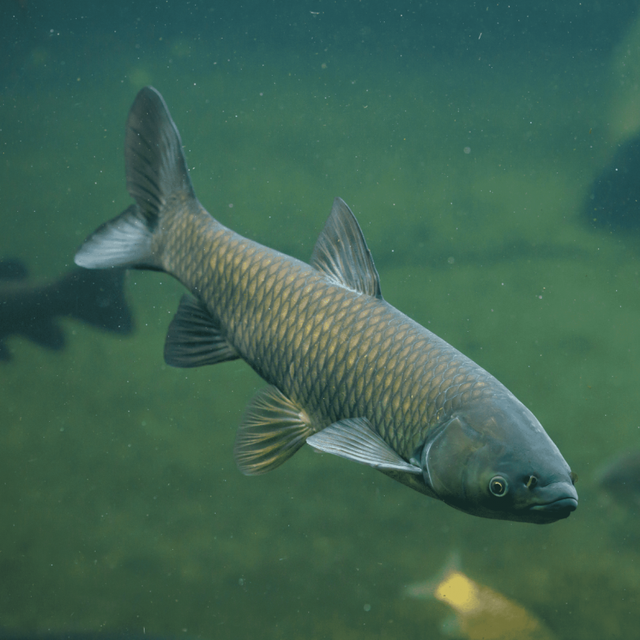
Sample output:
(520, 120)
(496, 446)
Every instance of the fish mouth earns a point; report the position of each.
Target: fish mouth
(561, 501)
(560, 508)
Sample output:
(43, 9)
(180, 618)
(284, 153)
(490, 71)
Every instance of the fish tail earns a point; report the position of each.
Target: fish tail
(158, 180)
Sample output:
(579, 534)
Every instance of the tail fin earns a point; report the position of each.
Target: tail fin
(156, 171)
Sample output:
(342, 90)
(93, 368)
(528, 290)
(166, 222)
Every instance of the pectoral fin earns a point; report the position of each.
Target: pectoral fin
(272, 430)
(354, 439)
(194, 338)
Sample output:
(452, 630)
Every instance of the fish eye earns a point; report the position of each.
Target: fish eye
(498, 486)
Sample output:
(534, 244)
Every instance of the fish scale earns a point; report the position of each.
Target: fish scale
(347, 373)
(243, 276)
(239, 290)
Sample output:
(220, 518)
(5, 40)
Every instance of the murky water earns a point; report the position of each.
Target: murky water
(120, 505)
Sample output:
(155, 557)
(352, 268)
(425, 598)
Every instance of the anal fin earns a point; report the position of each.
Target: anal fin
(273, 429)
(194, 338)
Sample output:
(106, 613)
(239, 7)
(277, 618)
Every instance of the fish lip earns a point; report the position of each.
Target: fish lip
(567, 504)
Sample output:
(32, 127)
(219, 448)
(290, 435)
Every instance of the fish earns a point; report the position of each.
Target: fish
(479, 612)
(346, 372)
(612, 198)
(620, 478)
(31, 309)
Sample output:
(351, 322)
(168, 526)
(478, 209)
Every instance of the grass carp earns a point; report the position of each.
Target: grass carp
(347, 373)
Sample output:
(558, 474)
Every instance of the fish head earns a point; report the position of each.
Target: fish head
(493, 459)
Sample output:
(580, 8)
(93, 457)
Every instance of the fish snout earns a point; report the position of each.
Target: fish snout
(556, 501)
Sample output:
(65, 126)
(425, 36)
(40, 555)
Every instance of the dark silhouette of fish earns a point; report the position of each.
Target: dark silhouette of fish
(347, 372)
(31, 309)
(620, 478)
(613, 201)
(479, 611)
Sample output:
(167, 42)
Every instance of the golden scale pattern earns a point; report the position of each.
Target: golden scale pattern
(334, 352)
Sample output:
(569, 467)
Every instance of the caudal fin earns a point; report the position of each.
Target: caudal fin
(156, 173)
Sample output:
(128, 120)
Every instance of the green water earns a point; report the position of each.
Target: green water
(120, 505)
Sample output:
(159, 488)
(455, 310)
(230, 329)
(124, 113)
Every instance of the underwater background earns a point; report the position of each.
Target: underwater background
(465, 137)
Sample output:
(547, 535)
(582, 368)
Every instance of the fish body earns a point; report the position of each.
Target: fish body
(480, 613)
(346, 372)
(31, 309)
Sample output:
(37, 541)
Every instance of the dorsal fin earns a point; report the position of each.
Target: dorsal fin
(342, 253)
